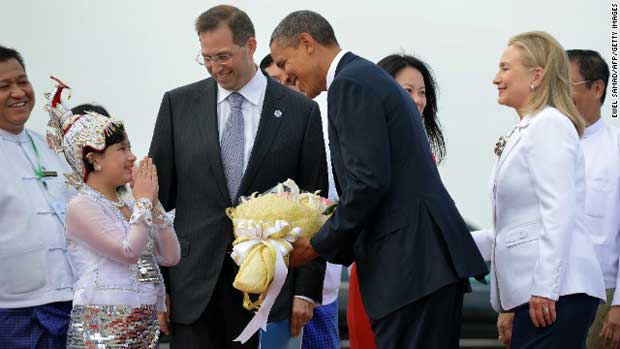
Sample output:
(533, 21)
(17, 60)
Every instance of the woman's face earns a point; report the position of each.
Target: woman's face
(513, 80)
(116, 163)
(413, 82)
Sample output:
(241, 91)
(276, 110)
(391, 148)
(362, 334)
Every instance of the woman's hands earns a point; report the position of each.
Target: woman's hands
(145, 183)
(542, 311)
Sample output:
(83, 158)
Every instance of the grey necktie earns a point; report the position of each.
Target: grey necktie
(233, 145)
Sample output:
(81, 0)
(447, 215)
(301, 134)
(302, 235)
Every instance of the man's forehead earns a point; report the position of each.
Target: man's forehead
(11, 69)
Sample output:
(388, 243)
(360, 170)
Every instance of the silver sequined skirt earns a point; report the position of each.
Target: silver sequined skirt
(113, 327)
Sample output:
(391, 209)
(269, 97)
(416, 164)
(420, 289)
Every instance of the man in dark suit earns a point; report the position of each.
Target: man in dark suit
(394, 218)
(215, 140)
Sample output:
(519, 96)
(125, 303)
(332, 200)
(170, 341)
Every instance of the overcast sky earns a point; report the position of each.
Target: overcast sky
(126, 54)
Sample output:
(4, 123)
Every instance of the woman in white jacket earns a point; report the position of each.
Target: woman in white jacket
(543, 264)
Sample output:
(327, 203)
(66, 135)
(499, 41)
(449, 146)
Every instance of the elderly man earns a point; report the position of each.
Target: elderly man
(36, 279)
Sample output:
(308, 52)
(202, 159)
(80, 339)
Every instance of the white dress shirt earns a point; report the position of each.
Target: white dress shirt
(333, 272)
(539, 245)
(331, 72)
(33, 254)
(254, 94)
(601, 147)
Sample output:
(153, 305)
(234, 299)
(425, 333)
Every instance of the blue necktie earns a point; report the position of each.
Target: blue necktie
(233, 145)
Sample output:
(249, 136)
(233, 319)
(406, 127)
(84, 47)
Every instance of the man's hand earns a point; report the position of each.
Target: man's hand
(301, 315)
(164, 317)
(542, 311)
(302, 253)
(611, 328)
(504, 327)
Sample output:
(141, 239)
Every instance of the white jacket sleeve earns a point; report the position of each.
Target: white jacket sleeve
(484, 241)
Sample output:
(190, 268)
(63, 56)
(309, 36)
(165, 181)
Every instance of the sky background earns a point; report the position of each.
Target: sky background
(126, 54)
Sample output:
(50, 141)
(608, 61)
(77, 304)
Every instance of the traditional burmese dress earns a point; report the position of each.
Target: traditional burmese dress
(116, 299)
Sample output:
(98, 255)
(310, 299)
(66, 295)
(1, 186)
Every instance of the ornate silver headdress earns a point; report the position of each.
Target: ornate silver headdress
(72, 134)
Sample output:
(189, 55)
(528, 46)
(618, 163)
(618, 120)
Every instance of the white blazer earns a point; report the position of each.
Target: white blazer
(539, 245)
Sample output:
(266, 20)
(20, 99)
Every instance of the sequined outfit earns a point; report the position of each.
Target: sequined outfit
(119, 288)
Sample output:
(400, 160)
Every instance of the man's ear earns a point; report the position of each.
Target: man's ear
(598, 86)
(251, 44)
(308, 42)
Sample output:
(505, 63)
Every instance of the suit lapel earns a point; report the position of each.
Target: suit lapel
(208, 124)
(267, 129)
(512, 143)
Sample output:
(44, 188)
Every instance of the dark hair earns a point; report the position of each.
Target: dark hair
(238, 22)
(7, 54)
(393, 64)
(115, 136)
(86, 107)
(266, 62)
(291, 27)
(592, 66)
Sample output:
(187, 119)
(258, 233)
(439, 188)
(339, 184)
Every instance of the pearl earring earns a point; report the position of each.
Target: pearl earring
(97, 167)
(532, 87)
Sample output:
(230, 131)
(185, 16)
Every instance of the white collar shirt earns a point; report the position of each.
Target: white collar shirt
(254, 95)
(601, 147)
(331, 72)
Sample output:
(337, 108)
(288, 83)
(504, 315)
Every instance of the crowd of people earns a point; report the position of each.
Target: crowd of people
(100, 252)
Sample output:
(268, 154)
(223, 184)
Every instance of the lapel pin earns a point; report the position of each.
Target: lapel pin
(277, 113)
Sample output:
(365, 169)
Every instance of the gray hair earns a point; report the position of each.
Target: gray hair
(292, 26)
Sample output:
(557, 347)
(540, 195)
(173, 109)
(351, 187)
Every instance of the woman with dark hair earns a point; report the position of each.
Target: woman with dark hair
(416, 78)
(116, 238)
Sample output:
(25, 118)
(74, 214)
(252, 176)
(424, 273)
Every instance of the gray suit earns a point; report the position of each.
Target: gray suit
(186, 151)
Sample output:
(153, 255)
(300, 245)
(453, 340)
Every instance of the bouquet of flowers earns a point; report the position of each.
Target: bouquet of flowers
(265, 226)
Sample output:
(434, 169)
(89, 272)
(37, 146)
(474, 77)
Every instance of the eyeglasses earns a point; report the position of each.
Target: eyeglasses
(580, 82)
(222, 58)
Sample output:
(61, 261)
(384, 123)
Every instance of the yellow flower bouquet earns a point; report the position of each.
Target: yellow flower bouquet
(265, 226)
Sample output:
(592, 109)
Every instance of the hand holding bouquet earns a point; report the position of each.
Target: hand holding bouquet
(265, 227)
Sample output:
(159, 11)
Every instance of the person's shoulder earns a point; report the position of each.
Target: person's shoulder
(355, 66)
(551, 117)
(35, 135)
(290, 96)
(81, 201)
(614, 133)
(191, 88)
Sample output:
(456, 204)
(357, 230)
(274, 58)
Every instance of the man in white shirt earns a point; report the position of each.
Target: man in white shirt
(322, 331)
(36, 279)
(601, 147)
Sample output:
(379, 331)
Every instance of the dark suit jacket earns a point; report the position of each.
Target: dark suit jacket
(186, 151)
(394, 217)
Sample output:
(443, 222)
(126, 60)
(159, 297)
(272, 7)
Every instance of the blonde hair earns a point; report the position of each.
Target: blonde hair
(539, 49)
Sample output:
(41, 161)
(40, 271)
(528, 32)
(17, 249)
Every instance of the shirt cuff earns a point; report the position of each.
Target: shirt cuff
(307, 299)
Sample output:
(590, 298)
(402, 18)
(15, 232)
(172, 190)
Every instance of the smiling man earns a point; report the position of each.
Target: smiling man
(36, 279)
(395, 219)
(231, 135)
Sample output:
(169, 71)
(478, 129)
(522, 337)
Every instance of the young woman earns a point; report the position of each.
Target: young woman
(116, 236)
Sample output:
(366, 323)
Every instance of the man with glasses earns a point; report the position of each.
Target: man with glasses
(601, 148)
(231, 135)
